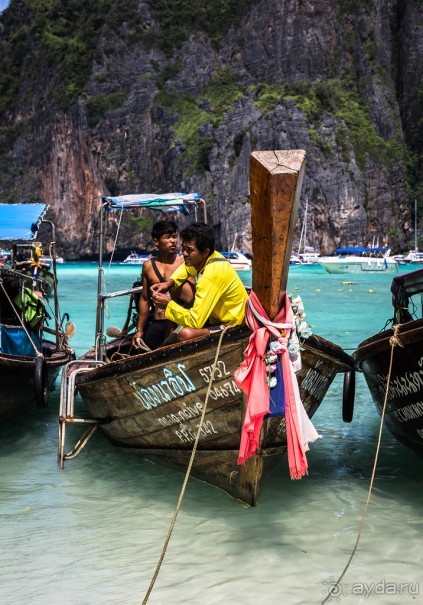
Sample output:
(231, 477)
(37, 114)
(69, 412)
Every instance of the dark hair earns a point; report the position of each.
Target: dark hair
(162, 228)
(201, 233)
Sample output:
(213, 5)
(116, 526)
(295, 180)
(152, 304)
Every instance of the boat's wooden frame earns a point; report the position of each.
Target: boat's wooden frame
(152, 403)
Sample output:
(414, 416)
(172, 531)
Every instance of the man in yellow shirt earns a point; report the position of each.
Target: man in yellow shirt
(220, 295)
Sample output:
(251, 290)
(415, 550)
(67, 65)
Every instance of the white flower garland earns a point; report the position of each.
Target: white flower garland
(301, 331)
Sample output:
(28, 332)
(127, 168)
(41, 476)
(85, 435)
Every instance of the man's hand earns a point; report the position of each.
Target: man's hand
(162, 287)
(136, 336)
(160, 300)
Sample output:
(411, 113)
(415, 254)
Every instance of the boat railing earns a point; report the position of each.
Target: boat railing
(67, 409)
(135, 290)
(30, 279)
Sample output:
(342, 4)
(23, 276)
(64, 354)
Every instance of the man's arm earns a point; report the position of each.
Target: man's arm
(206, 297)
(142, 310)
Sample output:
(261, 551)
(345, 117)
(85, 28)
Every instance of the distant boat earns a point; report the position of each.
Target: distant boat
(360, 260)
(306, 255)
(5, 256)
(238, 260)
(414, 257)
(404, 405)
(136, 259)
(295, 259)
(47, 260)
(306, 258)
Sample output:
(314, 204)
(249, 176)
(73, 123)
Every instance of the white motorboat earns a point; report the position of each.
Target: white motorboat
(47, 260)
(136, 259)
(238, 260)
(359, 260)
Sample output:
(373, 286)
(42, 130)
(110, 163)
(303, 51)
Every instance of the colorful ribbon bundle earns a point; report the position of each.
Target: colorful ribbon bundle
(252, 379)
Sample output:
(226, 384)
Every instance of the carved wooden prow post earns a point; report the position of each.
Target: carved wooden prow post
(275, 186)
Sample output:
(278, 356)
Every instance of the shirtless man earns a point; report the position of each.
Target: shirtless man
(152, 325)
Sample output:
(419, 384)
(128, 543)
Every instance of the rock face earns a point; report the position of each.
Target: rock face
(335, 77)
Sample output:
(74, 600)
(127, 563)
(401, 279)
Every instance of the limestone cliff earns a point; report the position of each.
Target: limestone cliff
(160, 100)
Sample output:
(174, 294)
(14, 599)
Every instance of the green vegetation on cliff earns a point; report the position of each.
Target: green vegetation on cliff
(195, 113)
(340, 99)
(179, 18)
(48, 46)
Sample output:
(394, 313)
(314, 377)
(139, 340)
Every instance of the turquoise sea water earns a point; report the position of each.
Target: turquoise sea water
(93, 533)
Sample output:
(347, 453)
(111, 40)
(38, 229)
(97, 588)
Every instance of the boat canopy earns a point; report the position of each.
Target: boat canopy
(405, 286)
(166, 202)
(356, 250)
(20, 221)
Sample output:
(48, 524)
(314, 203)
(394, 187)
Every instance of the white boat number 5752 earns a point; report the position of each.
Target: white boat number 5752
(220, 371)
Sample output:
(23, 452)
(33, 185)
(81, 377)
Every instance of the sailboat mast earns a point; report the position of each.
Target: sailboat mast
(415, 225)
(305, 225)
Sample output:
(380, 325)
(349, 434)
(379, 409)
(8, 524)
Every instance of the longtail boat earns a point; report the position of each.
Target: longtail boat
(151, 403)
(33, 342)
(399, 380)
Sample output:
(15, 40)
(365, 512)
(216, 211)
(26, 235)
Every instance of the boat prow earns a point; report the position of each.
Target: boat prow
(398, 374)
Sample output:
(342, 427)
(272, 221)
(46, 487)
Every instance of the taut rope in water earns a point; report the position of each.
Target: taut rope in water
(187, 474)
(393, 341)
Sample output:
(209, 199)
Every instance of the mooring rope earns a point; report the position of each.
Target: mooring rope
(393, 341)
(19, 318)
(187, 474)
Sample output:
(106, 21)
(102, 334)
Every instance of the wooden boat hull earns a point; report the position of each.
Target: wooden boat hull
(152, 404)
(17, 374)
(404, 408)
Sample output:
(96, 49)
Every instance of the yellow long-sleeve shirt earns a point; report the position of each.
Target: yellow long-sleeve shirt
(220, 296)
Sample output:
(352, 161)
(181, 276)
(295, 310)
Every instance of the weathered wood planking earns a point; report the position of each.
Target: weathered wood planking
(275, 186)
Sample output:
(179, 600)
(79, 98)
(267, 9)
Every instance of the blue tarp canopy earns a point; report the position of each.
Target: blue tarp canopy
(355, 250)
(20, 221)
(166, 202)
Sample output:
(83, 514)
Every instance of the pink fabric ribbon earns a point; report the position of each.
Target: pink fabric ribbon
(251, 377)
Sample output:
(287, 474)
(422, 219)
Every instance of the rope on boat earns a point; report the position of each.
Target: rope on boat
(115, 240)
(187, 474)
(19, 318)
(393, 341)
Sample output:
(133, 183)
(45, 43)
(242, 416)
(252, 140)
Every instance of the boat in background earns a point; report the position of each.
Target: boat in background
(295, 259)
(48, 260)
(305, 258)
(29, 362)
(152, 402)
(360, 260)
(404, 406)
(238, 260)
(414, 257)
(306, 255)
(136, 259)
(5, 256)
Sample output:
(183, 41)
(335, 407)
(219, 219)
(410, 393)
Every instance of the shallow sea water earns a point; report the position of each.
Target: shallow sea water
(93, 533)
